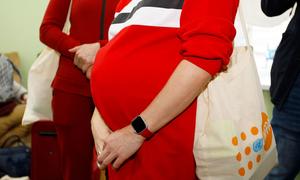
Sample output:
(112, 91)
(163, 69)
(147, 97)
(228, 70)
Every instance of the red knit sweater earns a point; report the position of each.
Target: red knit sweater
(87, 26)
(148, 39)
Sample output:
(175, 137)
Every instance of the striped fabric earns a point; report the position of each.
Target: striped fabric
(198, 24)
(148, 13)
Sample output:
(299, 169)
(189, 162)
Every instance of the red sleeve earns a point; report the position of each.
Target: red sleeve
(51, 28)
(103, 42)
(207, 31)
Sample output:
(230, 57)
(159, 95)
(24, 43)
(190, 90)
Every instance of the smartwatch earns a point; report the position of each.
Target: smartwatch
(141, 127)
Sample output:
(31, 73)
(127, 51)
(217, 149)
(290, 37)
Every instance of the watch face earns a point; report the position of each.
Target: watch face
(138, 124)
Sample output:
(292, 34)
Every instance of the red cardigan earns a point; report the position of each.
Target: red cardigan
(88, 25)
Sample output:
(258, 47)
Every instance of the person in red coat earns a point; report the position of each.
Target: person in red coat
(145, 81)
(72, 103)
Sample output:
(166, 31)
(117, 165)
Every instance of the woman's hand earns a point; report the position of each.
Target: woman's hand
(85, 55)
(89, 72)
(119, 146)
(100, 131)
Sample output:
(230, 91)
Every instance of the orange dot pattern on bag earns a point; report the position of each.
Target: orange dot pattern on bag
(242, 172)
(254, 151)
(235, 141)
(247, 150)
(243, 136)
(258, 158)
(250, 165)
(254, 130)
(239, 156)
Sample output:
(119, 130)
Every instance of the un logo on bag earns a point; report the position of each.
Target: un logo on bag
(261, 138)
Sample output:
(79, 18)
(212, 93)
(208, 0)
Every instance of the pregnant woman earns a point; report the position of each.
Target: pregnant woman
(145, 81)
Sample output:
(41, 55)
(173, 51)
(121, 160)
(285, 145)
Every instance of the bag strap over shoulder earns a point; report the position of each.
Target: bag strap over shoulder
(243, 25)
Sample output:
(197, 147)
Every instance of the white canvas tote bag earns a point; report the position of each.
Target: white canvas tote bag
(233, 136)
(40, 77)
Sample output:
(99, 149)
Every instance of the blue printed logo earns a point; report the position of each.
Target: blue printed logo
(258, 144)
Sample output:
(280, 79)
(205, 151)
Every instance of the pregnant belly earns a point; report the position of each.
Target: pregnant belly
(125, 82)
